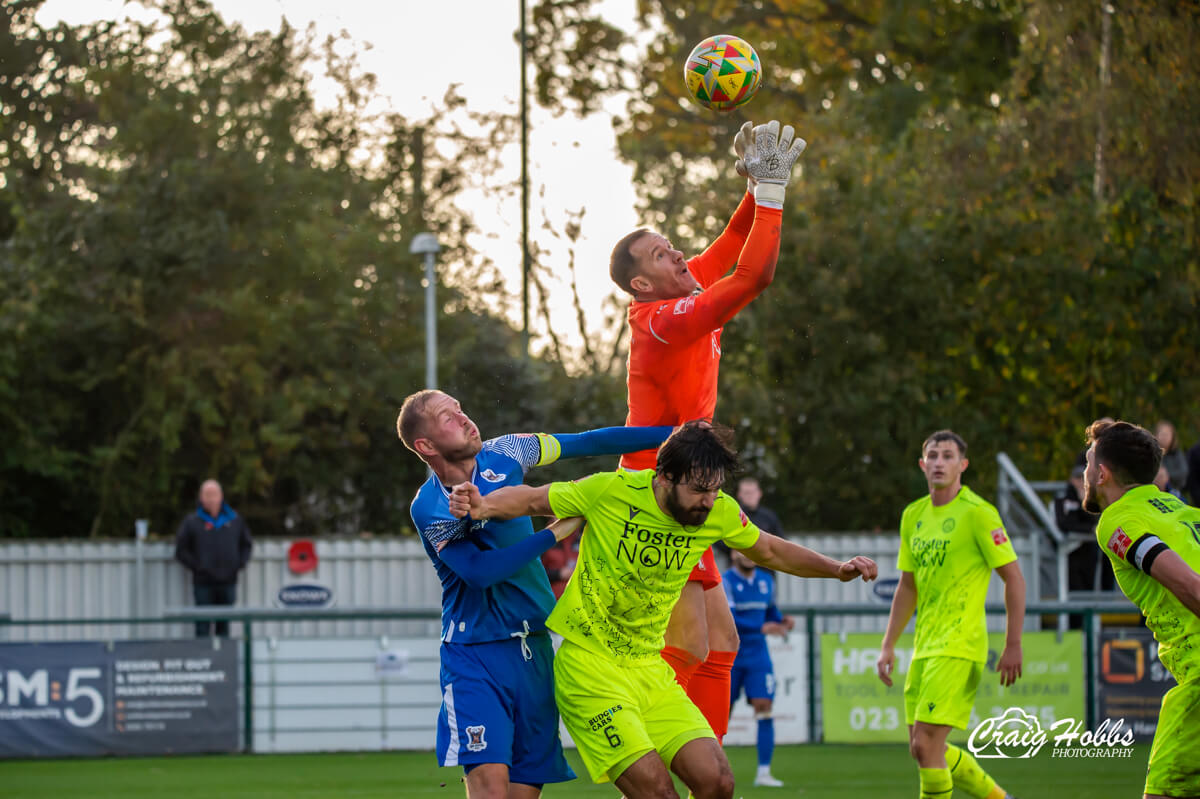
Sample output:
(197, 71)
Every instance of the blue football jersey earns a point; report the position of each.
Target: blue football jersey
(472, 615)
(752, 601)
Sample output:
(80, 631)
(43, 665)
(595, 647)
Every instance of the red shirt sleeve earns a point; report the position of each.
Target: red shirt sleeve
(711, 265)
(688, 318)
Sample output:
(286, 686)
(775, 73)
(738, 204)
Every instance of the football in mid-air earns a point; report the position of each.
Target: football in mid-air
(722, 72)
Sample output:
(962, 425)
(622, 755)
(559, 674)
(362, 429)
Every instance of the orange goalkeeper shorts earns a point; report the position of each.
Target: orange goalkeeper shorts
(706, 572)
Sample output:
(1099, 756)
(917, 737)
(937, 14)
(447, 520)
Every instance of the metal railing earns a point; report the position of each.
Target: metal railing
(1024, 511)
(1032, 517)
(1088, 611)
(247, 618)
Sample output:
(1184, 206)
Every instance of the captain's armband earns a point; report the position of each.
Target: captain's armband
(1144, 551)
(551, 450)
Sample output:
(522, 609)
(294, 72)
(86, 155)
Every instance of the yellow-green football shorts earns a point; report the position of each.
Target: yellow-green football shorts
(941, 690)
(1175, 756)
(617, 712)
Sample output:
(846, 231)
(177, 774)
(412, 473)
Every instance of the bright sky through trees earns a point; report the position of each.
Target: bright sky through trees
(417, 50)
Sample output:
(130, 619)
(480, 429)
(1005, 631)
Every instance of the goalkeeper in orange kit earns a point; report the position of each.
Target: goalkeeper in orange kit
(675, 320)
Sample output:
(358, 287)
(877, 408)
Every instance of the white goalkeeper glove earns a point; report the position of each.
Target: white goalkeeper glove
(770, 155)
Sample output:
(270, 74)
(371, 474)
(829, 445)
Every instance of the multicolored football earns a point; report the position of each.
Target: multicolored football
(722, 72)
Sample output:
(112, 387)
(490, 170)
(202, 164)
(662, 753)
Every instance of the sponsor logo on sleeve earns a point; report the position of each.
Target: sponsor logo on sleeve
(998, 536)
(492, 477)
(684, 305)
(1119, 543)
(742, 515)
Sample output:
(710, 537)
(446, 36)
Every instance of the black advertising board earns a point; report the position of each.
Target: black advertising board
(1132, 679)
(135, 697)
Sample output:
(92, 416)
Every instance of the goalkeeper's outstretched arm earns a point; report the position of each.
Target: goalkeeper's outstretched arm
(693, 317)
(722, 255)
(771, 163)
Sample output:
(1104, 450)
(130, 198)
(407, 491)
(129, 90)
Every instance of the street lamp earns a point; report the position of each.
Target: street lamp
(525, 255)
(427, 244)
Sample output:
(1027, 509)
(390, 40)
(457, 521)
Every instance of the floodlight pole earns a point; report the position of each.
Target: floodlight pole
(427, 244)
(525, 259)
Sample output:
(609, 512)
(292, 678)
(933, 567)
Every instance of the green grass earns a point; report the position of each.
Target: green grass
(812, 772)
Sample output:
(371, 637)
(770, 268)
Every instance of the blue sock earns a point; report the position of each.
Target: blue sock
(766, 741)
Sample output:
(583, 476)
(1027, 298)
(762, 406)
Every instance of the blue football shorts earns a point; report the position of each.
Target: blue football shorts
(498, 707)
(752, 672)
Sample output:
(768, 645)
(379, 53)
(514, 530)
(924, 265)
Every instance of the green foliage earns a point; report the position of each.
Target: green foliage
(947, 259)
(204, 274)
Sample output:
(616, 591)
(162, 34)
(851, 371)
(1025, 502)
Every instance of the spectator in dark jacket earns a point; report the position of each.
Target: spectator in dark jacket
(749, 496)
(1193, 478)
(1174, 459)
(1086, 562)
(214, 545)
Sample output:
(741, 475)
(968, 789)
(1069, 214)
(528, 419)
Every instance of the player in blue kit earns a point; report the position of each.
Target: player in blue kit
(751, 594)
(498, 718)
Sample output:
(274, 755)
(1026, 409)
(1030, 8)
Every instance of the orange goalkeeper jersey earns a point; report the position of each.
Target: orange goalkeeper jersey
(675, 344)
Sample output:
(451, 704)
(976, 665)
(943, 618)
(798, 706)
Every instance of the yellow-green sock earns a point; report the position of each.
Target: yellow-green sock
(936, 783)
(970, 776)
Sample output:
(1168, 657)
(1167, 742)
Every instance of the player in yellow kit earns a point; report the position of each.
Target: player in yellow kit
(645, 532)
(1153, 541)
(950, 541)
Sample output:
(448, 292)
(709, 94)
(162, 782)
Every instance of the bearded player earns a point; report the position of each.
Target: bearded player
(1153, 542)
(675, 320)
(645, 532)
(497, 719)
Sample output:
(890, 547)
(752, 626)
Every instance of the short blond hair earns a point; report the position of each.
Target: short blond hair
(410, 423)
(622, 266)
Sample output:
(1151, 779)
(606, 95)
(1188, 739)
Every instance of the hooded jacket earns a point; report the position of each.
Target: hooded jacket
(213, 549)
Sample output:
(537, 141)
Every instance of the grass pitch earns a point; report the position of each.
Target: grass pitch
(811, 772)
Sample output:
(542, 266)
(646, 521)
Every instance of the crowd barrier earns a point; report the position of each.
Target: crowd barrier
(276, 692)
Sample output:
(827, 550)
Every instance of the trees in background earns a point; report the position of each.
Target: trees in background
(204, 273)
(995, 229)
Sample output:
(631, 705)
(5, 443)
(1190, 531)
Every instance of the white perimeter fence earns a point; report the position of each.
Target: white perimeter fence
(120, 580)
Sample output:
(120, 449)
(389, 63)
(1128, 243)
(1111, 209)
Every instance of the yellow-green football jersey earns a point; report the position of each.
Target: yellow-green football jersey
(951, 550)
(1132, 532)
(633, 561)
